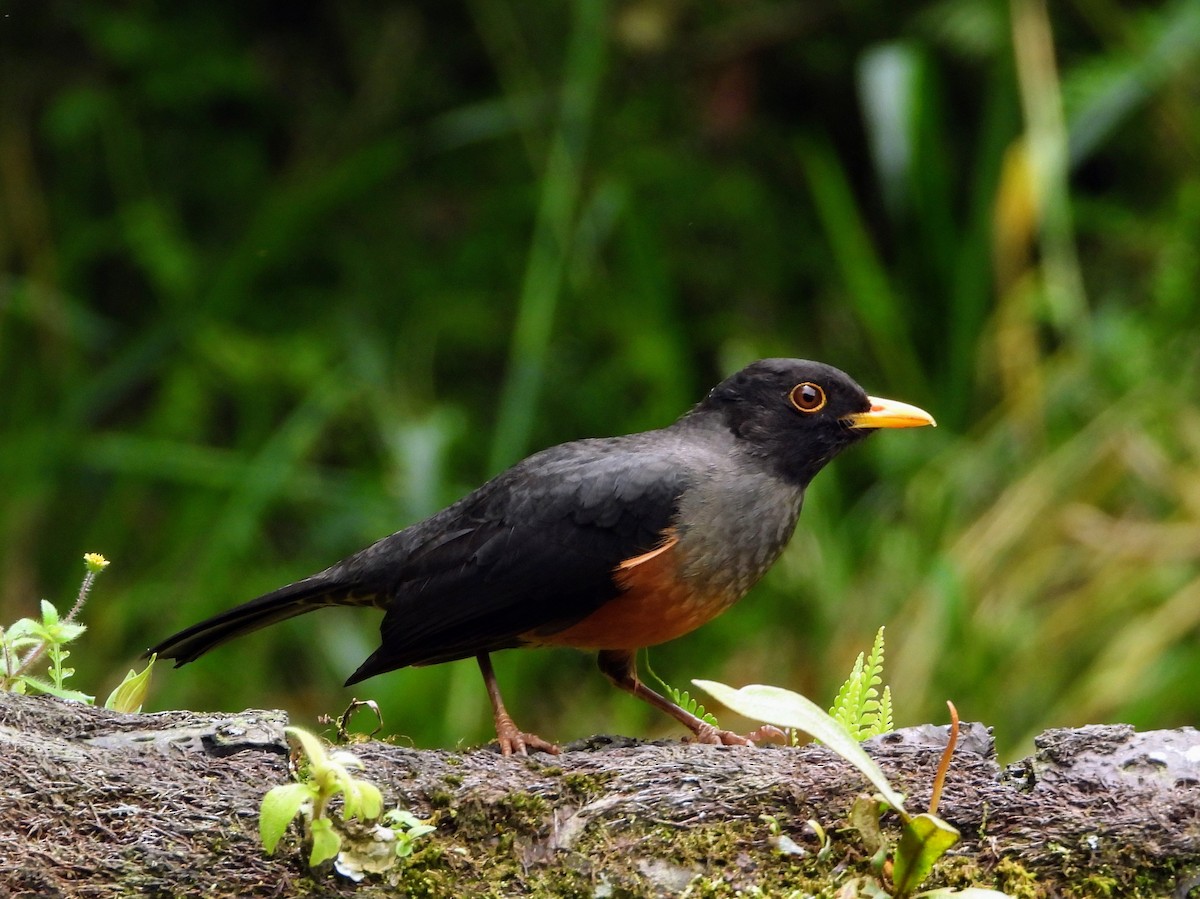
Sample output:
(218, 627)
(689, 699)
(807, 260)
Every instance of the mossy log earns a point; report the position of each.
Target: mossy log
(99, 804)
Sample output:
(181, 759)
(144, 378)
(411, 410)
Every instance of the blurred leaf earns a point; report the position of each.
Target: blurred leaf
(1101, 93)
(551, 244)
(869, 290)
(887, 82)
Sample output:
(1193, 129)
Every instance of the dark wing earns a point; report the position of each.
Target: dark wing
(533, 550)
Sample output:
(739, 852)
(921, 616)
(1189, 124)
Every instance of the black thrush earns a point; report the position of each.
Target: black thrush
(608, 544)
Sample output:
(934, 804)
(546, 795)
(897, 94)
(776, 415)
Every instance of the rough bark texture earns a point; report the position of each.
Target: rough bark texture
(99, 804)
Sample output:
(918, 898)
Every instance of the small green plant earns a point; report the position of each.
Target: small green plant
(408, 828)
(26, 642)
(682, 698)
(322, 775)
(860, 708)
(924, 837)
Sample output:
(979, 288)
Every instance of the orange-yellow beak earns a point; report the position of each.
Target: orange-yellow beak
(890, 414)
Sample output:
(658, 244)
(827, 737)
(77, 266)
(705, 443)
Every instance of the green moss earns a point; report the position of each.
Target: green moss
(1013, 878)
(421, 881)
(439, 799)
(503, 846)
(527, 805)
(1098, 885)
(586, 786)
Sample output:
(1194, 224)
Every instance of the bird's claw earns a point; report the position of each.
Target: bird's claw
(768, 733)
(514, 741)
(712, 736)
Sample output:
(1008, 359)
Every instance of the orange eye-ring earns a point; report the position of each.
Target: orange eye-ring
(808, 397)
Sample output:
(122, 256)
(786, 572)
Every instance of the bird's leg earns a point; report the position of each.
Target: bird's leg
(620, 667)
(509, 737)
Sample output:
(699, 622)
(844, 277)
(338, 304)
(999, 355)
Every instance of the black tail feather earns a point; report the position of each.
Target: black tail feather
(287, 602)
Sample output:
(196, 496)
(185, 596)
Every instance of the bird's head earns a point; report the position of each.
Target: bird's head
(799, 414)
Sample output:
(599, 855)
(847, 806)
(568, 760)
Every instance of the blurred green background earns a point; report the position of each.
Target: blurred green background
(281, 279)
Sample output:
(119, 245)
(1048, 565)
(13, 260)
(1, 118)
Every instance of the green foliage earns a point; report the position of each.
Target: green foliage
(785, 708)
(25, 642)
(681, 698)
(860, 707)
(924, 837)
(130, 694)
(285, 290)
(323, 776)
(408, 828)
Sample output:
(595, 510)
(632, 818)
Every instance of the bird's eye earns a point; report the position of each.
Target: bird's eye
(808, 397)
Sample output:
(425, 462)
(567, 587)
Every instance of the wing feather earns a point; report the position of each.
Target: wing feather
(536, 548)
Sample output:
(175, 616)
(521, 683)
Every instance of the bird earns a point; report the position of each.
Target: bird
(605, 544)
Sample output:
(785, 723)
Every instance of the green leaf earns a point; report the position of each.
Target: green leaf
(401, 817)
(845, 706)
(362, 799)
(923, 841)
(784, 708)
(41, 686)
(408, 829)
(131, 692)
(309, 743)
(864, 817)
(66, 631)
(885, 713)
(279, 807)
(49, 614)
(859, 707)
(965, 893)
(341, 781)
(686, 702)
(406, 839)
(863, 888)
(24, 630)
(326, 842)
(681, 698)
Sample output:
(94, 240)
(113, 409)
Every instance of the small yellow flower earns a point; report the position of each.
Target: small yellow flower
(95, 562)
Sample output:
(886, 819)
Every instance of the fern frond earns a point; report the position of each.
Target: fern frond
(874, 665)
(859, 706)
(884, 724)
(685, 701)
(845, 706)
(681, 698)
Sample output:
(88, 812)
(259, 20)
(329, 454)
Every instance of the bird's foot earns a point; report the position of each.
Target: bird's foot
(768, 733)
(515, 741)
(711, 736)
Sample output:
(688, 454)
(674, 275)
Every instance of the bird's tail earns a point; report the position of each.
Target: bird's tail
(314, 592)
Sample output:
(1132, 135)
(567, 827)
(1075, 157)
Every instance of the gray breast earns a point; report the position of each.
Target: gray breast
(734, 521)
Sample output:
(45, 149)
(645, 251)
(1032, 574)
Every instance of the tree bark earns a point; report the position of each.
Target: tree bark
(100, 804)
